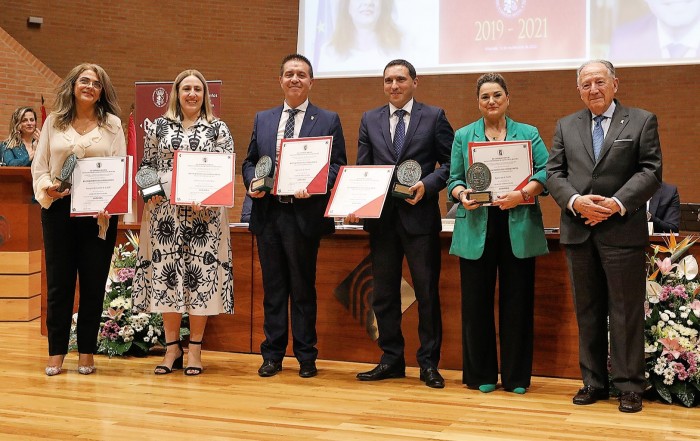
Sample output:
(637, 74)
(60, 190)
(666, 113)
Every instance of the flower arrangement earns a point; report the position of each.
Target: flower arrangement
(122, 331)
(672, 323)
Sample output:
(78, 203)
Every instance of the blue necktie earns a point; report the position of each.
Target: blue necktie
(399, 132)
(598, 136)
(289, 126)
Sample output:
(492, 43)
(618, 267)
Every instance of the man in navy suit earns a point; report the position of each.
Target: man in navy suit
(409, 227)
(288, 229)
(665, 209)
(604, 165)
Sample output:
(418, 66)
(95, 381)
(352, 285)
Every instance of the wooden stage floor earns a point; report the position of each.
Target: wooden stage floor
(124, 400)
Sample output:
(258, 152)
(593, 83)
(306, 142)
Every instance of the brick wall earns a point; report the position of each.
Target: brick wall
(242, 42)
(23, 79)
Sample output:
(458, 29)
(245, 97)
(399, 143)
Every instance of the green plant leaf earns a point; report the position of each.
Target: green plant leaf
(663, 391)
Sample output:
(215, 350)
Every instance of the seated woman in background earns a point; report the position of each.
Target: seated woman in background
(18, 150)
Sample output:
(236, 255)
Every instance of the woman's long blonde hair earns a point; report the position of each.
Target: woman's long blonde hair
(64, 106)
(14, 139)
(174, 111)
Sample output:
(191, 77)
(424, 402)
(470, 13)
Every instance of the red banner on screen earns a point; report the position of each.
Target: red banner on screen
(511, 30)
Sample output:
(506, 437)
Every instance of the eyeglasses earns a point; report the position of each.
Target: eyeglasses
(85, 81)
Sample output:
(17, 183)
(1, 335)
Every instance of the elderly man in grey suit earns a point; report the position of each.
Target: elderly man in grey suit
(604, 165)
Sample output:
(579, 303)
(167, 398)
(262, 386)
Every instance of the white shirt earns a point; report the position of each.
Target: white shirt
(691, 40)
(298, 120)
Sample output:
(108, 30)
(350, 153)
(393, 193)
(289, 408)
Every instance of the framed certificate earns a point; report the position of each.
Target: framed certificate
(205, 178)
(101, 184)
(360, 189)
(303, 163)
(496, 168)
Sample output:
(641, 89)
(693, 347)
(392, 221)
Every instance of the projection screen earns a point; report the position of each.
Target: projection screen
(349, 38)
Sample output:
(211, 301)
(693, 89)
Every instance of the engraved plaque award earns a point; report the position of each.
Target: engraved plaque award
(408, 174)
(149, 182)
(262, 181)
(66, 173)
(479, 179)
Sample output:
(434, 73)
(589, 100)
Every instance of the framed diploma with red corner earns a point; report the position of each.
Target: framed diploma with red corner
(360, 190)
(303, 163)
(497, 168)
(204, 178)
(101, 184)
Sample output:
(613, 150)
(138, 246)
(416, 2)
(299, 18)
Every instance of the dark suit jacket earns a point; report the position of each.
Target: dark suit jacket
(429, 141)
(629, 168)
(309, 212)
(665, 209)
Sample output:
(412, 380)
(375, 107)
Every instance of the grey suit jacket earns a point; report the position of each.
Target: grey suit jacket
(629, 168)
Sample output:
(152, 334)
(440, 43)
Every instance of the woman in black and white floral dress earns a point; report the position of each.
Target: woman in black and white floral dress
(184, 261)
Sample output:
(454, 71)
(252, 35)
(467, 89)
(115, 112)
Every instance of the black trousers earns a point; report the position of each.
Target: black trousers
(609, 282)
(73, 250)
(516, 292)
(288, 261)
(389, 245)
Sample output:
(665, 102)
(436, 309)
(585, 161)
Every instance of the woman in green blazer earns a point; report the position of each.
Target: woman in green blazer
(502, 239)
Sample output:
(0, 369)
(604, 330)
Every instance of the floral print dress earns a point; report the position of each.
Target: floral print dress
(184, 260)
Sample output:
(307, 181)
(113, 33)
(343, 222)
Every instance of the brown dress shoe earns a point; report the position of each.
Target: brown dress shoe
(589, 395)
(630, 402)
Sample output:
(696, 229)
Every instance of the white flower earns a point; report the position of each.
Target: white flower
(684, 315)
(690, 323)
(653, 291)
(688, 268)
(664, 317)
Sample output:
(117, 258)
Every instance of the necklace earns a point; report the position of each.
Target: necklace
(497, 136)
(83, 128)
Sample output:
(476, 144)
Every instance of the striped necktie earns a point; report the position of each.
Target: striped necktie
(399, 132)
(289, 126)
(598, 136)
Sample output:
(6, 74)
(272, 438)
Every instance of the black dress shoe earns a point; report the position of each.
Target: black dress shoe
(630, 402)
(383, 371)
(432, 378)
(589, 395)
(270, 368)
(307, 369)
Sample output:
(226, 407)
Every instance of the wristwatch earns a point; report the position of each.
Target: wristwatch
(526, 195)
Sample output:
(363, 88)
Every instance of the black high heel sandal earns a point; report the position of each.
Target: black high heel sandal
(177, 364)
(191, 371)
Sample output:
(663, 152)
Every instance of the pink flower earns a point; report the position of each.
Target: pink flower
(681, 373)
(671, 347)
(665, 292)
(125, 274)
(665, 266)
(679, 292)
(695, 306)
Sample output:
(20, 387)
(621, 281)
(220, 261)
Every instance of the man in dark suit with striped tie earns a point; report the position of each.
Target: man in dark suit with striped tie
(402, 130)
(604, 165)
(288, 229)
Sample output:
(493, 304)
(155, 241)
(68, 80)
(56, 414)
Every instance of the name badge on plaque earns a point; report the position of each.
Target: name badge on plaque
(479, 179)
(408, 174)
(149, 182)
(262, 181)
(66, 171)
